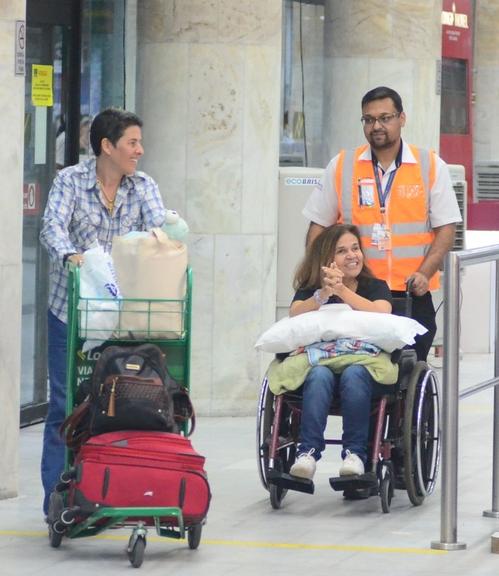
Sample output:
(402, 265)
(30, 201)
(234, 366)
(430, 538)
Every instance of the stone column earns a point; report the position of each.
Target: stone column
(11, 232)
(209, 91)
(370, 43)
(486, 82)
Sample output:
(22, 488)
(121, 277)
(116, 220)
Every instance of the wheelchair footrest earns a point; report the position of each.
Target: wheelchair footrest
(357, 482)
(289, 482)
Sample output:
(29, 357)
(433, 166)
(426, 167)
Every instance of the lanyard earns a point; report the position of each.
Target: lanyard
(382, 196)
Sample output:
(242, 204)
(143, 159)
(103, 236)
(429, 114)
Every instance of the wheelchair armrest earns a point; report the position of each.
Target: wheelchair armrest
(406, 360)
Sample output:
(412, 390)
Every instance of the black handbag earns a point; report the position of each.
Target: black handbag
(131, 389)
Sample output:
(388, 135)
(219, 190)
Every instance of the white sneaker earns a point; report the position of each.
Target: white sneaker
(305, 465)
(352, 465)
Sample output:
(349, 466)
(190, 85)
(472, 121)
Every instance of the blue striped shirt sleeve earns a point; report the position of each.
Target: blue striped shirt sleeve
(54, 235)
(153, 210)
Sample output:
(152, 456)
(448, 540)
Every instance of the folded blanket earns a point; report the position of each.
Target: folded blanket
(292, 371)
(320, 350)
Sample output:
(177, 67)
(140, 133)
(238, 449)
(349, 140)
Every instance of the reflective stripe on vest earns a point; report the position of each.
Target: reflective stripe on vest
(346, 183)
(400, 229)
(405, 252)
(424, 162)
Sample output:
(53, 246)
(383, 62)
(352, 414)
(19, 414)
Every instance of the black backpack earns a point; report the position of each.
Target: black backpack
(130, 389)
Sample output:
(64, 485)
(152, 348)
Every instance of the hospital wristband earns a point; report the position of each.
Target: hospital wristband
(318, 298)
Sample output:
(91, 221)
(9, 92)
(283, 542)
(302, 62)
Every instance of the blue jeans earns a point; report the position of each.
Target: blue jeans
(53, 446)
(355, 388)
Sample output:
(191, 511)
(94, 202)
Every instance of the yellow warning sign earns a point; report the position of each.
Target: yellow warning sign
(42, 93)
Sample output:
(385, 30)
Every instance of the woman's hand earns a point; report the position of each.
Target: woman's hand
(76, 259)
(331, 283)
(332, 280)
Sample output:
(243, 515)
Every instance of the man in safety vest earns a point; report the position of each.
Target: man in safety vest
(401, 198)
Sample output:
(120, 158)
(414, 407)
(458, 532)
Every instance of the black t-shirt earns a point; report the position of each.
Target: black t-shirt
(370, 288)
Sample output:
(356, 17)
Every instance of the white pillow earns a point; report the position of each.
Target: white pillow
(333, 321)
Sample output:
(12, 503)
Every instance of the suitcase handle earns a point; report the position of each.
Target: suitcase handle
(181, 493)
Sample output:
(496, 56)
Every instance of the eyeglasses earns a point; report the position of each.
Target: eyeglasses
(384, 120)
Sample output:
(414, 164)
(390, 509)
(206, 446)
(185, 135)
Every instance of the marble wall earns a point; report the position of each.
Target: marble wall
(11, 166)
(208, 91)
(486, 82)
(396, 43)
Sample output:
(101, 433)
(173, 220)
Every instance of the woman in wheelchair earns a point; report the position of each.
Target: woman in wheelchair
(334, 271)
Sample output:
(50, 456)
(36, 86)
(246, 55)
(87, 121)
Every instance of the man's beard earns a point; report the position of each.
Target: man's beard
(376, 145)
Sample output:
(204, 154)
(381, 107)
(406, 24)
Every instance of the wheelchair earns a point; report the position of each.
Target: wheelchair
(403, 449)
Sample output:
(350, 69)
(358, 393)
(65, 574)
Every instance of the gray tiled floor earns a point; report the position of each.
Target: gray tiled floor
(319, 535)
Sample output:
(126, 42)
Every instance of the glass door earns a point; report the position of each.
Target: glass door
(75, 67)
(102, 56)
(50, 113)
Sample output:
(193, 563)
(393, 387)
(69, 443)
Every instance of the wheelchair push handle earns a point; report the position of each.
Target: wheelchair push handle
(402, 302)
(408, 287)
(408, 298)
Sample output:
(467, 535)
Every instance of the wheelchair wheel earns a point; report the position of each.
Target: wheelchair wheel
(286, 452)
(282, 463)
(264, 420)
(421, 434)
(386, 488)
(276, 496)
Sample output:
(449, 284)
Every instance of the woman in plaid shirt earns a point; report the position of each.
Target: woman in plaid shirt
(93, 201)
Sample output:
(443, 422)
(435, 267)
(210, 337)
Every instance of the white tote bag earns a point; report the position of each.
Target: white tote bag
(150, 266)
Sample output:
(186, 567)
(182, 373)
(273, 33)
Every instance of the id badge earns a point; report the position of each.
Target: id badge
(376, 233)
(366, 192)
(384, 238)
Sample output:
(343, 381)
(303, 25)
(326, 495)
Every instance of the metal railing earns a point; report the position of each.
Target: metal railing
(450, 393)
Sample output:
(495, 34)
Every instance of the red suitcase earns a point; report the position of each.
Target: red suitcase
(141, 469)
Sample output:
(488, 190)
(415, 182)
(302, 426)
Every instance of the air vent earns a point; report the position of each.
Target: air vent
(460, 186)
(487, 181)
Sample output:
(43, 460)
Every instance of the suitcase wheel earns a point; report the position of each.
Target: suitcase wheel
(194, 535)
(55, 527)
(136, 546)
(136, 553)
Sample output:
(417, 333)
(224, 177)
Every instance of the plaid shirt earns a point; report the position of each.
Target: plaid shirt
(75, 218)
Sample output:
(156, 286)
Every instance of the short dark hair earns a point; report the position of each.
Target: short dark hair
(111, 123)
(380, 93)
(319, 252)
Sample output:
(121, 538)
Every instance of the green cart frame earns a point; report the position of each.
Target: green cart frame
(176, 344)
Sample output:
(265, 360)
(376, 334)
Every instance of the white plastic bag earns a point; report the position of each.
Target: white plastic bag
(98, 318)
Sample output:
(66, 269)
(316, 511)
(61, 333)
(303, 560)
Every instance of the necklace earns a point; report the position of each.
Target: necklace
(109, 202)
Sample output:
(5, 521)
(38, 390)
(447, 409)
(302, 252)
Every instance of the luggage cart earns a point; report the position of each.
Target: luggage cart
(166, 323)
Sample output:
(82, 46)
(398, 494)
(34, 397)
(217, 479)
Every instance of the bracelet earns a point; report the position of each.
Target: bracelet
(318, 298)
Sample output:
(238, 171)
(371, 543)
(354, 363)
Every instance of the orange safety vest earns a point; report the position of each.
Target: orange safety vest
(407, 213)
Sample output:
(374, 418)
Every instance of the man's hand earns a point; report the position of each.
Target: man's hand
(419, 283)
